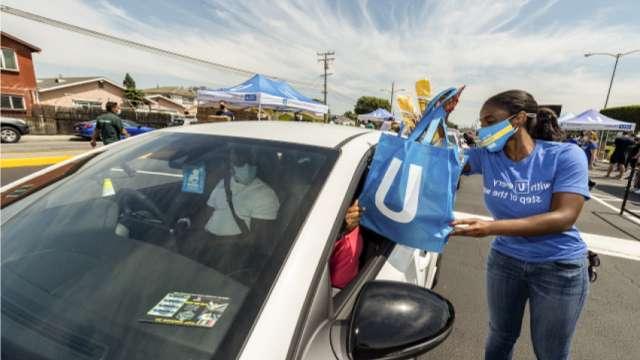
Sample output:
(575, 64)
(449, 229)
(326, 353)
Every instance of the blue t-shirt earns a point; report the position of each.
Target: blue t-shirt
(518, 189)
(588, 147)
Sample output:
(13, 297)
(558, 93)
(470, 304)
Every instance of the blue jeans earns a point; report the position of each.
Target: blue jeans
(556, 292)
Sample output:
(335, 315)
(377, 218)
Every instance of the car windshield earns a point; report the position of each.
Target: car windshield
(140, 254)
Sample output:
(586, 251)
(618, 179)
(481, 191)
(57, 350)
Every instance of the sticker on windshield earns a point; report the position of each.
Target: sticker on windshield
(107, 188)
(193, 179)
(184, 309)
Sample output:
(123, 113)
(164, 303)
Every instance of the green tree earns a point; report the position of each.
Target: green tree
(452, 125)
(367, 104)
(350, 114)
(132, 94)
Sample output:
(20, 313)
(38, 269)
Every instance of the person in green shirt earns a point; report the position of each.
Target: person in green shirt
(109, 126)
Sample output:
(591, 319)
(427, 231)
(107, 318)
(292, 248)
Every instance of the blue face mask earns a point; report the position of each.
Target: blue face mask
(495, 137)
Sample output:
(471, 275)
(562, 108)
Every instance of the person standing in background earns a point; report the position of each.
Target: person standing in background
(634, 150)
(590, 148)
(619, 156)
(223, 111)
(109, 126)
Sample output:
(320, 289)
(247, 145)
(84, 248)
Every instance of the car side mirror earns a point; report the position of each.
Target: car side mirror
(139, 126)
(395, 320)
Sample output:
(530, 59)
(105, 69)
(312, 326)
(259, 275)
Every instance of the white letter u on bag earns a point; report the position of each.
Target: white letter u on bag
(411, 196)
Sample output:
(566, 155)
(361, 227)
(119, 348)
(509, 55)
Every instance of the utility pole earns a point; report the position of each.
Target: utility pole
(326, 58)
(393, 86)
(393, 92)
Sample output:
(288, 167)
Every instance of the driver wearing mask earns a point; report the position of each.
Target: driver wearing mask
(252, 203)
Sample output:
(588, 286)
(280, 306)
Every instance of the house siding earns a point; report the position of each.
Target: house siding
(21, 82)
(92, 91)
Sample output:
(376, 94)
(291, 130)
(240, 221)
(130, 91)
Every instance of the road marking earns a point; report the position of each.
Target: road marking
(617, 210)
(602, 244)
(29, 162)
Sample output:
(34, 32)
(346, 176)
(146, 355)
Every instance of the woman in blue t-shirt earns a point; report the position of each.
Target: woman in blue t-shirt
(535, 191)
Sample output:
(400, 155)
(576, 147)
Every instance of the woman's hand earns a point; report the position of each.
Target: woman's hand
(472, 227)
(352, 219)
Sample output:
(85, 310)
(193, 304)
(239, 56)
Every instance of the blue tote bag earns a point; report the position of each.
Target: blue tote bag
(410, 189)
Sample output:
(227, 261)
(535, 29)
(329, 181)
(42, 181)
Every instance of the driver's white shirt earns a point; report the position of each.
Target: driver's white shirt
(256, 200)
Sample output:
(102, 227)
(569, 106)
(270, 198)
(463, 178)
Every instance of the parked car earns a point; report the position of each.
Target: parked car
(182, 120)
(85, 129)
(96, 261)
(13, 129)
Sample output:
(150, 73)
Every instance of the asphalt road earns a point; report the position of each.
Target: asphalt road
(609, 327)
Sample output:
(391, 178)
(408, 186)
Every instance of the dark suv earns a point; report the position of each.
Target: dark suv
(13, 129)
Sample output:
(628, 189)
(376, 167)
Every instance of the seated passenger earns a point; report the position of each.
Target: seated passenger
(344, 263)
(252, 199)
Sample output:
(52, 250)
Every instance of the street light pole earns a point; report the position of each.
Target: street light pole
(603, 144)
(615, 66)
(613, 74)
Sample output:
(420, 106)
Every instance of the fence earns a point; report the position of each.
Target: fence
(56, 120)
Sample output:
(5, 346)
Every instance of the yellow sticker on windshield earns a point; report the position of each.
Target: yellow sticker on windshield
(107, 188)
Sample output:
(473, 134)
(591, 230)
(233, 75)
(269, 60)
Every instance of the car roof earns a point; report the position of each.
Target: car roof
(316, 134)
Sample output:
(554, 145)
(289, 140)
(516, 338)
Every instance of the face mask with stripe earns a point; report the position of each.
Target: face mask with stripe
(495, 137)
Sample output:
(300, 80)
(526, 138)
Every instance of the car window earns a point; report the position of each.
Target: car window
(137, 253)
(373, 245)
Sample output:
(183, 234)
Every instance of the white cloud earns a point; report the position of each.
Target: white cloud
(483, 44)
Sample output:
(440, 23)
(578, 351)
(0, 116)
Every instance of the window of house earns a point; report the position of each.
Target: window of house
(8, 61)
(12, 102)
(87, 104)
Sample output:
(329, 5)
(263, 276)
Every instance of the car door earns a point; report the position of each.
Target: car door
(382, 259)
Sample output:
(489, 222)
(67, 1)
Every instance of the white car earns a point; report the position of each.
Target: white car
(112, 254)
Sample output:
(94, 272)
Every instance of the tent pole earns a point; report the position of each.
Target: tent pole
(606, 138)
(602, 145)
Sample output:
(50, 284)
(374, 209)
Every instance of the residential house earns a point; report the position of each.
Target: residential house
(92, 91)
(18, 77)
(159, 103)
(177, 94)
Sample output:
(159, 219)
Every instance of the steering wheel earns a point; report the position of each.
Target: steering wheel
(133, 202)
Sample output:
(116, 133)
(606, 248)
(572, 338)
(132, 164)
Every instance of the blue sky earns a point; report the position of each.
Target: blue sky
(488, 45)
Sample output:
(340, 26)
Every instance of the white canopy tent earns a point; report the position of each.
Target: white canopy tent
(566, 116)
(593, 120)
(377, 115)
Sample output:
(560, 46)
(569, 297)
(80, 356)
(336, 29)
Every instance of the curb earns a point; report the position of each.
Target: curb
(35, 161)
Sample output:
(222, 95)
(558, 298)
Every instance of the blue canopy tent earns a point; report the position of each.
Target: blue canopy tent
(377, 115)
(261, 92)
(593, 120)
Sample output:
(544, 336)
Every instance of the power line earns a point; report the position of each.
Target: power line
(135, 45)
